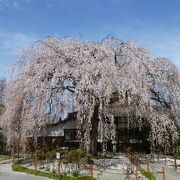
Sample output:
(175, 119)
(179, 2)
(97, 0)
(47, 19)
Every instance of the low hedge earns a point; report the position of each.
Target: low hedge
(178, 151)
(4, 157)
(76, 178)
(19, 168)
(148, 175)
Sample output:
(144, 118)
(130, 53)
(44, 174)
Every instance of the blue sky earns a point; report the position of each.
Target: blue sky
(154, 24)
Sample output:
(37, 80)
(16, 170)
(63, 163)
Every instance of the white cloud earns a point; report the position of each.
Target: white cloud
(9, 46)
(12, 41)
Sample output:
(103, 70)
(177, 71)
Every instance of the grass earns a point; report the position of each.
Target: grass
(3, 157)
(178, 151)
(76, 178)
(19, 168)
(148, 175)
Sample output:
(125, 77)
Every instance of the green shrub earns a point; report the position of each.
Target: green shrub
(51, 155)
(48, 174)
(69, 178)
(59, 149)
(4, 157)
(77, 178)
(178, 151)
(38, 155)
(85, 178)
(19, 168)
(64, 174)
(44, 150)
(75, 173)
(81, 152)
(75, 155)
(148, 175)
(2, 144)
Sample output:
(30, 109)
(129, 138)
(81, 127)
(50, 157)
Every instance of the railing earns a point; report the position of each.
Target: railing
(151, 163)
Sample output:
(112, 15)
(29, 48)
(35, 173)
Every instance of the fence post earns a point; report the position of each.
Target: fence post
(175, 164)
(91, 171)
(59, 170)
(35, 168)
(163, 171)
(137, 177)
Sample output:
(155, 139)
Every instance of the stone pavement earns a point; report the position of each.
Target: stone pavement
(6, 173)
(170, 173)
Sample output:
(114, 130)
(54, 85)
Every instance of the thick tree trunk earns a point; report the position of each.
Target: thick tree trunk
(94, 132)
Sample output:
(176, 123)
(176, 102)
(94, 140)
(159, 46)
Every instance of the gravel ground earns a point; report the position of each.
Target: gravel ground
(113, 169)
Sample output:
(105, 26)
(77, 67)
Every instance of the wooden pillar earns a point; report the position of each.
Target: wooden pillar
(59, 170)
(137, 164)
(91, 171)
(175, 164)
(163, 172)
(35, 168)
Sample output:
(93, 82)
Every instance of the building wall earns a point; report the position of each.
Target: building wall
(58, 129)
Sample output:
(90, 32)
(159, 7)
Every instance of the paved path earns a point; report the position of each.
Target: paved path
(170, 173)
(7, 174)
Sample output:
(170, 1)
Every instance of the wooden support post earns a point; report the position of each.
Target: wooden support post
(35, 168)
(59, 170)
(163, 172)
(175, 164)
(91, 171)
(137, 164)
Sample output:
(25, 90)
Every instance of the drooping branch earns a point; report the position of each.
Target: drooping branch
(159, 98)
(61, 74)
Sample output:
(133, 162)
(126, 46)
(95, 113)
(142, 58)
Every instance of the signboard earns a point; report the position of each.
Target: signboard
(57, 155)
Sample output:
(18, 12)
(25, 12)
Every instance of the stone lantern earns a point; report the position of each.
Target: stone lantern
(104, 147)
(114, 143)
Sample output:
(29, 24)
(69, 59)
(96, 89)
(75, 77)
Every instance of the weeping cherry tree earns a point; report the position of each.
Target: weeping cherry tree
(66, 75)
